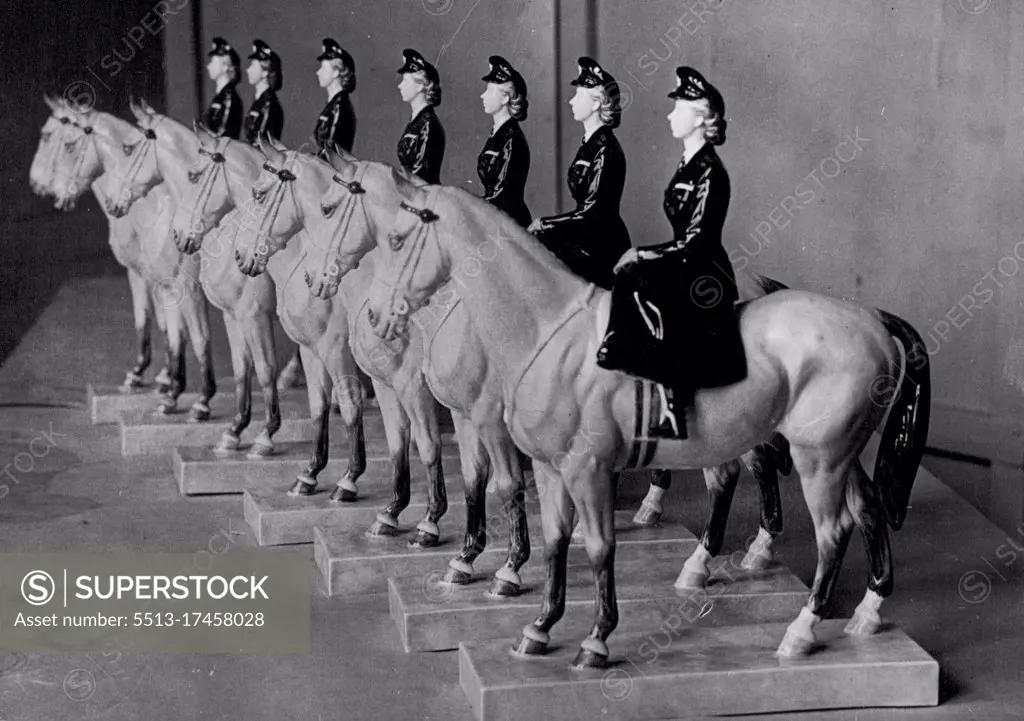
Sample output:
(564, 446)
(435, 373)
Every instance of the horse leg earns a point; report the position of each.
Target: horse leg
(293, 372)
(396, 430)
(650, 509)
(318, 388)
(259, 335)
(475, 465)
(348, 393)
(426, 431)
(556, 513)
(197, 319)
(163, 378)
(508, 480)
(721, 484)
(241, 365)
(176, 357)
(824, 486)
(863, 502)
(142, 309)
(760, 464)
(592, 487)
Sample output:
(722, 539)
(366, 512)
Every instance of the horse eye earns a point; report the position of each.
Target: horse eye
(194, 175)
(395, 240)
(127, 149)
(327, 210)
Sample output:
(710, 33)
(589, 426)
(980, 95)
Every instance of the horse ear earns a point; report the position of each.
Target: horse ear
(51, 103)
(201, 131)
(146, 107)
(266, 144)
(137, 110)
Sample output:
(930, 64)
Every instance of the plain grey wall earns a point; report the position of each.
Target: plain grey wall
(912, 219)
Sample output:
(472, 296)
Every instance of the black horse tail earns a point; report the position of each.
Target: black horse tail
(906, 430)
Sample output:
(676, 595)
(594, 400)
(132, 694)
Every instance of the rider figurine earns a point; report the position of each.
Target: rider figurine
(337, 75)
(504, 162)
(592, 237)
(672, 317)
(265, 76)
(224, 116)
(421, 149)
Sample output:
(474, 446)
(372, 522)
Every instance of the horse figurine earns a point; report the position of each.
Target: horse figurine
(90, 159)
(248, 306)
(816, 367)
(279, 244)
(359, 206)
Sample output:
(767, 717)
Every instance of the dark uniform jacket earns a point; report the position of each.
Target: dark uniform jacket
(421, 149)
(336, 123)
(681, 294)
(265, 114)
(503, 165)
(224, 116)
(592, 238)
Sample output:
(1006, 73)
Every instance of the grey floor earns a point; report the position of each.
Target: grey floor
(84, 496)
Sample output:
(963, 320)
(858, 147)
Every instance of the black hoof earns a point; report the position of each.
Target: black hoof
(424, 540)
(382, 529)
(343, 495)
(589, 659)
(504, 589)
(198, 415)
(457, 577)
(529, 647)
(301, 488)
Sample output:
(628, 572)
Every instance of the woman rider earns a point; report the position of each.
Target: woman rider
(224, 116)
(672, 319)
(504, 163)
(591, 238)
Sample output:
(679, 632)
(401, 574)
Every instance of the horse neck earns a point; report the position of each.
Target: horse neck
(115, 131)
(519, 298)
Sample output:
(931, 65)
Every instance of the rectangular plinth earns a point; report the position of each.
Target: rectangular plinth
(436, 616)
(278, 519)
(200, 471)
(107, 402)
(150, 432)
(352, 563)
(704, 671)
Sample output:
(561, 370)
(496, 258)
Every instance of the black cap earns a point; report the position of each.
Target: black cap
(415, 63)
(262, 51)
(691, 85)
(592, 75)
(503, 72)
(333, 51)
(220, 46)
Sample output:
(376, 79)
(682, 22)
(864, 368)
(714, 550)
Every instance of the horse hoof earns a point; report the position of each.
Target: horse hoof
(424, 539)
(384, 526)
(259, 451)
(756, 561)
(457, 577)
(504, 589)
(343, 495)
(199, 413)
(228, 444)
(302, 487)
(691, 580)
(863, 624)
(133, 380)
(527, 646)
(163, 378)
(590, 659)
(794, 646)
(167, 406)
(646, 515)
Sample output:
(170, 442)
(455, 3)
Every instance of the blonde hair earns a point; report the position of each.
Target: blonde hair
(518, 105)
(610, 110)
(431, 90)
(714, 123)
(346, 76)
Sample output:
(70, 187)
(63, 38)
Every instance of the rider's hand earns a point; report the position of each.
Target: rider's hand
(630, 257)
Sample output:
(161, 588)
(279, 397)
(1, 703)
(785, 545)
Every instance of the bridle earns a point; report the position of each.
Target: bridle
(218, 164)
(408, 268)
(355, 192)
(286, 178)
(148, 141)
(80, 143)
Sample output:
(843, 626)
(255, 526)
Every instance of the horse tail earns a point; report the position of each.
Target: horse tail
(906, 430)
(777, 450)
